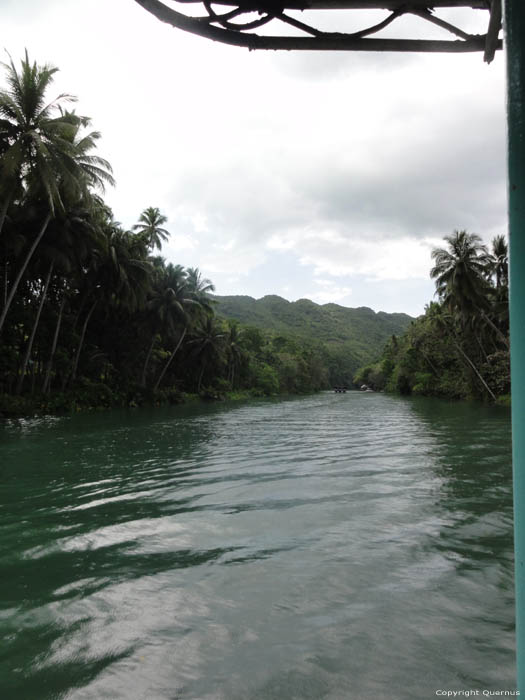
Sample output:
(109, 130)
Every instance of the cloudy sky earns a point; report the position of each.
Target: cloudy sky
(328, 176)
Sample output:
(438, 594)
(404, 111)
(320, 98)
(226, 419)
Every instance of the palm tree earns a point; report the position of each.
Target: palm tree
(150, 228)
(461, 274)
(73, 236)
(119, 275)
(49, 155)
(200, 288)
(208, 344)
(499, 267)
(192, 294)
(30, 133)
(499, 261)
(165, 305)
(173, 306)
(234, 349)
(446, 323)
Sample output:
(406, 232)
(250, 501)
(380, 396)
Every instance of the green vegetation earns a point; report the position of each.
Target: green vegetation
(460, 347)
(91, 315)
(344, 339)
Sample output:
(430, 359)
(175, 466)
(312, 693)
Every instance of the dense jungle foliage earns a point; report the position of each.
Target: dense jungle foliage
(346, 338)
(460, 347)
(90, 314)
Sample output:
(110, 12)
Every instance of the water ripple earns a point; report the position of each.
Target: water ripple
(330, 547)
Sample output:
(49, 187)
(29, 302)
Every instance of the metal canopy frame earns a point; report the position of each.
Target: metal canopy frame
(234, 21)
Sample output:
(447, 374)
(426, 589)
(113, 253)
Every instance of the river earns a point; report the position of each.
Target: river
(337, 546)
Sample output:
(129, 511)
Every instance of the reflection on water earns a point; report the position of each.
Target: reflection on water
(336, 546)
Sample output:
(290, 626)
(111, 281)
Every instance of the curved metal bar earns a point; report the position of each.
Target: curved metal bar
(223, 19)
(381, 25)
(323, 42)
(219, 18)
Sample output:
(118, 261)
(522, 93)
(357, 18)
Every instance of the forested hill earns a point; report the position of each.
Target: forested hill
(360, 332)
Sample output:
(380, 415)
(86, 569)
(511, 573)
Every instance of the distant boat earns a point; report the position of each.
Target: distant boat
(340, 389)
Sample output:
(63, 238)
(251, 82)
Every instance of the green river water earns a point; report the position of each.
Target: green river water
(335, 546)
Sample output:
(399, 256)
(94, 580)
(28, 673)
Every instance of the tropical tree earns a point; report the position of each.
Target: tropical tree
(51, 156)
(118, 276)
(165, 306)
(200, 288)
(55, 254)
(32, 134)
(207, 343)
(73, 236)
(499, 261)
(234, 348)
(174, 307)
(150, 228)
(460, 272)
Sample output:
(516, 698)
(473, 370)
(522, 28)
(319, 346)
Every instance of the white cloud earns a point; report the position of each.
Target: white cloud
(349, 166)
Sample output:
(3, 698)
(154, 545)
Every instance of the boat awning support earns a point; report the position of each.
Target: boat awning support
(515, 42)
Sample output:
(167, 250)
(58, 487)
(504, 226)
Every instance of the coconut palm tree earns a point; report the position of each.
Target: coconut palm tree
(72, 237)
(55, 254)
(30, 129)
(150, 228)
(118, 276)
(461, 274)
(208, 344)
(165, 305)
(234, 349)
(174, 306)
(200, 288)
(49, 155)
(499, 261)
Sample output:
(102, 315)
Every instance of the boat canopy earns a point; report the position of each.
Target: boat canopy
(293, 24)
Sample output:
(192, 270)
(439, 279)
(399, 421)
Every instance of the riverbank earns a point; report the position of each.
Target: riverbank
(98, 397)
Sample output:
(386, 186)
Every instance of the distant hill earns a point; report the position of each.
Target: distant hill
(360, 334)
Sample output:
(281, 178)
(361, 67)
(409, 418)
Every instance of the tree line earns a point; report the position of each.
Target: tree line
(90, 313)
(460, 347)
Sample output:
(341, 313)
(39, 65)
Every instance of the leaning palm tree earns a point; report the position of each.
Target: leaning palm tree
(176, 302)
(118, 277)
(207, 343)
(461, 272)
(74, 235)
(234, 349)
(150, 228)
(165, 306)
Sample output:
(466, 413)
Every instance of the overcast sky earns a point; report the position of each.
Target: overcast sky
(328, 176)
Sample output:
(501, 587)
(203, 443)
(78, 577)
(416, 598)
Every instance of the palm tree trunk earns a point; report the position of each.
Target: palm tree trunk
(5, 207)
(168, 363)
(429, 361)
(495, 328)
(200, 377)
(33, 331)
(15, 284)
(47, 379)
(146, 363)
(81, 342)
(6, 267)
(483, 351)
(467, 358)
